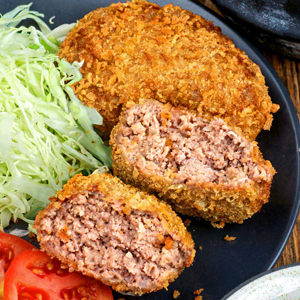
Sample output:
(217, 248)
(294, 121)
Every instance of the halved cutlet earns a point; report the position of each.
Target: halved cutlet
(202, 168)
(105, 229)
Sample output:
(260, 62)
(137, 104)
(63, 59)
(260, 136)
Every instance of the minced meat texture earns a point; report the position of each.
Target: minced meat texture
(139, 50)
(188, 148)
(103, 236)
(188, 161)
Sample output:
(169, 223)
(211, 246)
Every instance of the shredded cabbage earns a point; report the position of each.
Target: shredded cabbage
(46, 134)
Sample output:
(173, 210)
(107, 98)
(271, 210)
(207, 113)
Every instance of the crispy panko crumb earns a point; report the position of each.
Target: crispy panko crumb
(140, 50)
(198, 298)
(32, 237)
(229, 238)
(200, 247)
(219, 225)
(198, 292)
(187, 222)
(176, 294)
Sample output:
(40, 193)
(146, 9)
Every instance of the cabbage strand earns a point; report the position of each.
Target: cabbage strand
(46, 134)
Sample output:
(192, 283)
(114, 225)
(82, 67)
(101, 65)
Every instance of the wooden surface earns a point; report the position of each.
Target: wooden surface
(288, 70)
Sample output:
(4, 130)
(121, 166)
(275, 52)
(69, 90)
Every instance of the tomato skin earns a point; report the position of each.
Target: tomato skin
(10, 247)
(36, 273)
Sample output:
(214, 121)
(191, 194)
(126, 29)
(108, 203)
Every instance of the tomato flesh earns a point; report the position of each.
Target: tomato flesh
(40, 276)
(41, 269)
(6, 255)
(10, 247)
(80, 292)
(25, 293)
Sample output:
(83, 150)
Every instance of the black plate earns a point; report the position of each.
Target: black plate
(221, 265)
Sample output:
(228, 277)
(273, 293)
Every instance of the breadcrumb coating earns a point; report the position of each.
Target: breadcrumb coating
(139, 50)
(229, 238)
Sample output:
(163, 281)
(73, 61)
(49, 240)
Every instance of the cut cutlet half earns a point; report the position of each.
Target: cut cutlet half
(105, 229)
(202, 168)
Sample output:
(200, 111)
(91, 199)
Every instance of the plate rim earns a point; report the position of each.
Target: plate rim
(260, 275)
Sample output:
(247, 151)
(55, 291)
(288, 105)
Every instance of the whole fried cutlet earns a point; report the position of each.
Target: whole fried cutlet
(115, 233)
(140, 50)
(202, 168)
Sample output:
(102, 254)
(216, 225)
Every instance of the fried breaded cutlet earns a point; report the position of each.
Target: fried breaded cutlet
(202, 168)
(140, 50)
(105, 229)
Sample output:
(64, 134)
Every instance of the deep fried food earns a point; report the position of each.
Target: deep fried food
(115, 233)
(140, 50)
(202, 168)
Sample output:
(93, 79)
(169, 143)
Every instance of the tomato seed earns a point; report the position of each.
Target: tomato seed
(6, 255)
(50, 266)
(66, 297)
(10, 254)
(38, 272)
(30, 293)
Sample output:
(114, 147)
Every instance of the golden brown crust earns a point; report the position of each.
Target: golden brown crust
(140, 50)
(218, 203)
(113, 189)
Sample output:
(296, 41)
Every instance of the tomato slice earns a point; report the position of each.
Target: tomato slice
(10, 247)
(33, 275)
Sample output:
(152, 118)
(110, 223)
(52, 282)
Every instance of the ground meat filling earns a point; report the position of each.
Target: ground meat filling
(166, 141)
(113, 246)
